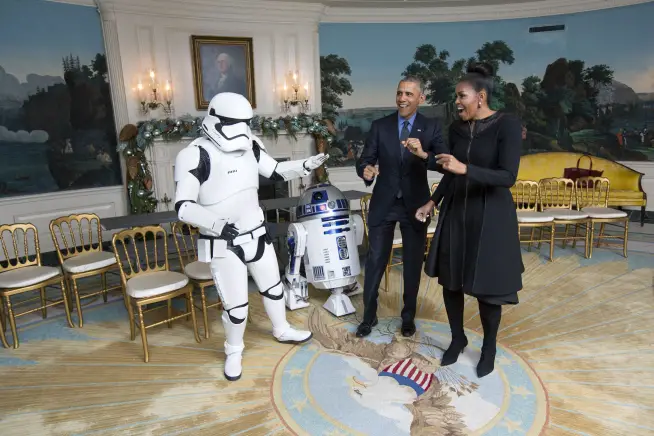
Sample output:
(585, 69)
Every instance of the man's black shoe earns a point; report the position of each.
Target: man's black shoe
(365, 328)
(408, 329)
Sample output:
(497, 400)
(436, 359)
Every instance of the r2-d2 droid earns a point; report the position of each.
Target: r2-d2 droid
(326, 237)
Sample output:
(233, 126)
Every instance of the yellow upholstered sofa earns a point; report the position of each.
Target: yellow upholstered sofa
(625, 183)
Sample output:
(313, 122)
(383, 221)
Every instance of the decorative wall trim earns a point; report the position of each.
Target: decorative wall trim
(469, 13)
(297, 12)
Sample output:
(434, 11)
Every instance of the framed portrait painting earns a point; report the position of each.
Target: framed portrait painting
(222, 64)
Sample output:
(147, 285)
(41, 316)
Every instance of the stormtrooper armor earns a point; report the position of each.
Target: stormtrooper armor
(217, 191)
(326, 236)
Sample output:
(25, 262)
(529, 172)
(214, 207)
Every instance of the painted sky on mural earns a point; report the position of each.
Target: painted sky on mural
(42, 29)
(378, 53)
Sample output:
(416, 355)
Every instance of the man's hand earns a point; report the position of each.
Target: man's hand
(415, 147)
(315, 161)
(451, 164)
(370, 172)
(423, 212)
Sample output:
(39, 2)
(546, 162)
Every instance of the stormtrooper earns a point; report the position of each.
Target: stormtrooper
(217, 191)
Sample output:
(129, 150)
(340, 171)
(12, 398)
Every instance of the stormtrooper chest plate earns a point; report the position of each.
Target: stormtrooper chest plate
(229, 174)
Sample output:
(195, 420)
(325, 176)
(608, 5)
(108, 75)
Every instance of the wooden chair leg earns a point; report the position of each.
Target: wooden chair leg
(130, 314)
(104, 287)
(189, 296)
(78, 302)
(205, 315)
(551, 242)
(64, 296)
(600, 235)
(590, 234)
(625, 237)
(12, 320)
(44, 310)
(3, 327)
(170, 312)
(144, 338)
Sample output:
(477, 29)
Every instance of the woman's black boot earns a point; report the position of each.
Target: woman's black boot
(491, 315)
(454, 307)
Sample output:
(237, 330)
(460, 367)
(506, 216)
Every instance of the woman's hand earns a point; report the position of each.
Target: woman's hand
(425, 211)
(451, 164)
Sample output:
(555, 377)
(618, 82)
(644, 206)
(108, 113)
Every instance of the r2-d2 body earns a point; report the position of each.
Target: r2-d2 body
(325, 237)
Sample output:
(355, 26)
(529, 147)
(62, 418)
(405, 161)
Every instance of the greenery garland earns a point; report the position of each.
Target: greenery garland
(170, 129)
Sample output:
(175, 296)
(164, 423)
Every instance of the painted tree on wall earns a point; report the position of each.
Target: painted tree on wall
(440, 77)
(333, 84)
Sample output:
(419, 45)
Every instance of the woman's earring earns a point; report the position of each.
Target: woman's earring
(479, 104)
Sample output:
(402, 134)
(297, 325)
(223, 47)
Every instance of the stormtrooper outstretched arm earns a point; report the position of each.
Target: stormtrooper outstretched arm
(191, 170)
(288, 170)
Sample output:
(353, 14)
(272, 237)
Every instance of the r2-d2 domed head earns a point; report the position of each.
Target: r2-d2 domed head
(227, 123)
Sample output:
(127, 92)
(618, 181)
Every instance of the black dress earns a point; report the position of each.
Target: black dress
(476, 246)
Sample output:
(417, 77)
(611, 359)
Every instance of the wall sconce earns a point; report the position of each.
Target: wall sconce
(149, 101)
(295, 96)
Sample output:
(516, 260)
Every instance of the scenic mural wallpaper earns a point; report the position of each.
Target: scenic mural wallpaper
(588, 88)
(57, 128)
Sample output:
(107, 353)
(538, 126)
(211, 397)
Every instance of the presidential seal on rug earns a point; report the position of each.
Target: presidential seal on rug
(386, 384)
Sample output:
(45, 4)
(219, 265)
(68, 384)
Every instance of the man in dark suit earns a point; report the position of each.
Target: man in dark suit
(399, 150)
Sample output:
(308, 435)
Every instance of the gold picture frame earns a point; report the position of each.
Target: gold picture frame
(222, 64)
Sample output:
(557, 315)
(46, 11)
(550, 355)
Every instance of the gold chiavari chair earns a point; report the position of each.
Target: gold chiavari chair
(78, 242)
(151, 281)
(185, 238)
(526, 198)
(593, 199)
(397, 240)
(557, 196)
(21, 271)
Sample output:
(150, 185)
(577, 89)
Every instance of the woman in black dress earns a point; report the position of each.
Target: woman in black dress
(476, 248)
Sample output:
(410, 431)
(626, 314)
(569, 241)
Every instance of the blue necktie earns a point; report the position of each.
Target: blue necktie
(404, 135)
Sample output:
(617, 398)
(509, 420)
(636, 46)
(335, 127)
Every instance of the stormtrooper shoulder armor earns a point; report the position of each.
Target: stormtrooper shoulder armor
(194, 160)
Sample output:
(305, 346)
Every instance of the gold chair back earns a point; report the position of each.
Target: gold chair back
(592, 192)
(20, 246)
(137, 251)
(365, 207)
(76, 234)
(185, 239)
(526, 195)
(556, 193)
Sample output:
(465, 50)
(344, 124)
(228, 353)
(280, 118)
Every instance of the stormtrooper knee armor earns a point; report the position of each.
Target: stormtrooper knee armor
(217, 191)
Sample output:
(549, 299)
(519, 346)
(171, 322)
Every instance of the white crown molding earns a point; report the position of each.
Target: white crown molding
(469, 13)
(260, 11)
(253, 11)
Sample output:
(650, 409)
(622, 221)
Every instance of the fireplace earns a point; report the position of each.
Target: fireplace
(162, 160)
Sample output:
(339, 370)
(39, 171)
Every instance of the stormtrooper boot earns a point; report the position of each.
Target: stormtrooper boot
(282, 330)
(234, 331)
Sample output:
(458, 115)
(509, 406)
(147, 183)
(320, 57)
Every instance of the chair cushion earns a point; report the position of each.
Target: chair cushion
(89, 261)
(155, 283)
(431, 229)
(198, 271)
(26, 276)
(566, 214)
(604, 212)
(534, 217)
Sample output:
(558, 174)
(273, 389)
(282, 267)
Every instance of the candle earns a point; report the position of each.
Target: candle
(294, 78)
(306, 91)
(284, 95)
(139, 88)
(167, 91)
(152, 78)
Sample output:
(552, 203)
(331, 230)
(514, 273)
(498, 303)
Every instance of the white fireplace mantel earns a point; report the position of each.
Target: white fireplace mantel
(162, 155)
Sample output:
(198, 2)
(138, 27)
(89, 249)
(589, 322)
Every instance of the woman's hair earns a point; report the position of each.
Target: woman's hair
(480, 76)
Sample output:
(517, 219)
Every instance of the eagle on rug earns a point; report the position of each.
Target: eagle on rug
(397, 381)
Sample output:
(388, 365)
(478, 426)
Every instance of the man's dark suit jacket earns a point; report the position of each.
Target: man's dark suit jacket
(406, 171)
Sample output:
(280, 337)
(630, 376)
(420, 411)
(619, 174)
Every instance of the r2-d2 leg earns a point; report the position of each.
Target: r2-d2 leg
(296, 287)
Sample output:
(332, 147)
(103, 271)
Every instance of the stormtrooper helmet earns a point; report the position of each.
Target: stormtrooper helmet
(227, 123)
